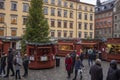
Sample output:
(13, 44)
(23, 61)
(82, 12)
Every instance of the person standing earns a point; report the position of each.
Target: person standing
(78, 65)
(17, 63)
(68, 65)
(3, 63)
(112, 71)
(10, 63)
(73, 56)
(96, 71)
(25, 65)
(90, 57)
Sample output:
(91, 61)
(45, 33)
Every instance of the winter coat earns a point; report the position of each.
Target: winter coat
(18, 63)
(68, 63)
(25, 61)
(3, 61)
(112, 71)
(10, 58)
(112, 74)
(78, 64)
(96, 72)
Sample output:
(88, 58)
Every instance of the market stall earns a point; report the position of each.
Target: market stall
(41, 55)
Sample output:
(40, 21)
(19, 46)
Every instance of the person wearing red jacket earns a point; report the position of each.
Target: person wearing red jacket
(68, 64)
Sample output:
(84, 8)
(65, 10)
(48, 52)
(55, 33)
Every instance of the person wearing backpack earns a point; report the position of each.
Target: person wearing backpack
(90, 57)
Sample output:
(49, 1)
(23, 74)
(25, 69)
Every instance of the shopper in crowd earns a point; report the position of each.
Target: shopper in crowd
(96, 71)
(10, 63)
(78, 65)
(73, 56)
(68, 65)
(112, 71)
(90, 57)
(3, 63)
(81, 56)
(18, 64)
(25, 65)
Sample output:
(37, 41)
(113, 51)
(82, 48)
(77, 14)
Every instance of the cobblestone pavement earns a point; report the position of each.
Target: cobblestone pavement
(59, 73)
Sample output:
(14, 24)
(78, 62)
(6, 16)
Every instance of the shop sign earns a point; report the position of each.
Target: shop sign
(43, 58)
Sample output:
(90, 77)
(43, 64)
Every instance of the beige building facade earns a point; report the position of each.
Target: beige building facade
(66, 18)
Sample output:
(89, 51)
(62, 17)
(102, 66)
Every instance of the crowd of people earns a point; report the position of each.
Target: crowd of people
(74, 62)
(13, 61)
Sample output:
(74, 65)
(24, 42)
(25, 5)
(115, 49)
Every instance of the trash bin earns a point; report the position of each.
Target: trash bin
(57, 61)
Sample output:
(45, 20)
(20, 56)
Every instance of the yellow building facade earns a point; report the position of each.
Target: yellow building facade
(66, 18)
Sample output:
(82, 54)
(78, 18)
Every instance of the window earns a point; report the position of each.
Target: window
(80, 7)
(91, 17)
(85, 16)
(59, 2)
(71, 5)
(52, 23)
(79, 34)
(115, 17)
(91, 26)
(71, 34)
(1, 5)
(91, 34)
(59, 12)
(1, 31)
(65, 24)
(45, 1)
(13, 19)
(25, 7)
(2, 18)
(65, 33)
(13, 32)
(85, 26)
(46, 10)
(14, 6)
(59, 23)
(65, 13)
(86, 8)
(52, 11)
(79, 25)
(91, 9)
(71, 24)
(79, 15)
(71, 14)
(85, 34)
(52, 33)
(65, 4)
(24, 20)
(52, 1)
(59, 34)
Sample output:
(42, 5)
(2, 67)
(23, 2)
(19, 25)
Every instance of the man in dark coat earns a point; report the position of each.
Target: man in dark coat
(96, 71)
(25, 65)
(112, 71)
(3, 63)
(73, 56)
(10, 63)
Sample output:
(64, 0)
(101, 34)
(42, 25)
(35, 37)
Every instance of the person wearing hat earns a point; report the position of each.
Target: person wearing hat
(96, 71)
(112, 71)
(10, 63)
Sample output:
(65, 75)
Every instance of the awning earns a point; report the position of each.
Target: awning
(88, 43)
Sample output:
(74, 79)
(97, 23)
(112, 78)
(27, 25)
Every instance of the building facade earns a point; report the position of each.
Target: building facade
(104, 19)
(116, 28)
(66, 18)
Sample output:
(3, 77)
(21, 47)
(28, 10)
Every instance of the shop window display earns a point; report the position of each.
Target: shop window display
(113, 48)
(65, 47)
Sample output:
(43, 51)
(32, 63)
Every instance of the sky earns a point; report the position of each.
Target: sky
(91, 1)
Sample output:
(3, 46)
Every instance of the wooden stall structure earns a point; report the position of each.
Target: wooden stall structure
(112, 49)
(86, 44)
(42, 55)
(65, 46)
(8, 42)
